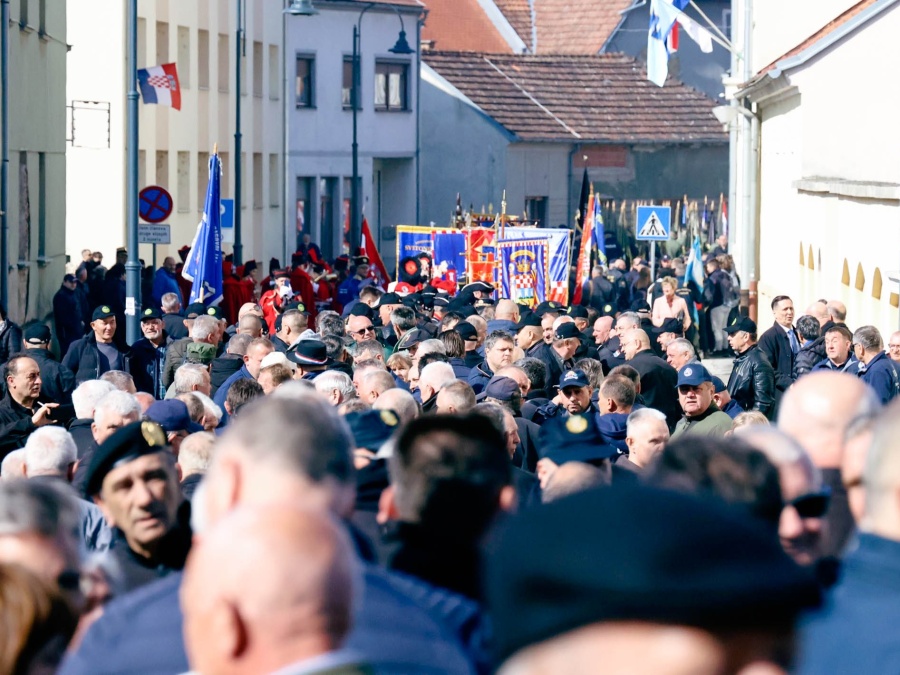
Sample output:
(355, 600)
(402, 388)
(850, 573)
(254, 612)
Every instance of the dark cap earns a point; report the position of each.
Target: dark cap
(389, 299)
(670, 326)
(573, 438)
(742, 324)
(151, 313)
(360, 260)
(281, 274)
(194, 310)
(482, 286)
(308, 353)
(200, 352)
(731, 572)
(215, 311)
(531, 320)
(547, 306)
(574, 378)
(36, 333)
(718, 384)
(566, 330)
(102, 312)
(362, 309)
(466, 330)
(172, 415)
(500, 388)
(693, 375)
(578, 312)
(126, 444)
(70, 278)
(484, 302)
(411, 339)
(372, 428)
(441, 301)
(299, 306)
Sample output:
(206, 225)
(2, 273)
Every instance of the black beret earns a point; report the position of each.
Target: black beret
(126, 444)
(636, 553)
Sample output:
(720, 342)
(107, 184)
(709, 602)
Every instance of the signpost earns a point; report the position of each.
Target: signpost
(154, 234)
(154, 204)
(653, 224)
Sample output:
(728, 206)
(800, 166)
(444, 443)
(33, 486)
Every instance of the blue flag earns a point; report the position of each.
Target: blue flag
(662, 17)
(523, 270)
(204, 262)
(693, 268)
(599, 232)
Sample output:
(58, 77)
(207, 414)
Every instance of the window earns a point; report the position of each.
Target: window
(391, 86)
(23, 13)
(274, 73)
(347, 87)
(224, 68)
(203, 59)
(274, 197)
(257, 69)
(184, 57)
(162, 168)
(327, 188)
(304, 89)
(203, 179)
(162, 42)
(303, 207)
(257, 180)
(183, 194)
(141, 41)
(536, 209)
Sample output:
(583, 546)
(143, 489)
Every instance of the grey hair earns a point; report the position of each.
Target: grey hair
(12, 464)
(438, 374)
(295, 390)
(204, 326)
(117, 403)
(119, 379)
(210, 406)
(684, 347)
(432, 346)
(42, 507)
(196, 452)
(334, 379)
(189, 375)
(869, 338)
(630, 317)
(497, 336)
(87, 395)
(238, 344)
(640, 416)
(330, 323)
(170, 302)
(49, 451)
(403, 318)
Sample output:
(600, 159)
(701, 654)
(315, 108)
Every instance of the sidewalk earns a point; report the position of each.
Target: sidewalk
(720, 367)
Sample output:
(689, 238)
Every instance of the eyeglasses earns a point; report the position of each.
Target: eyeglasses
(812, 505)
(362, 331)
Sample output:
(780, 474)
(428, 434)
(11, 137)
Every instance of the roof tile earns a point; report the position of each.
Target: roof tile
(461, 25)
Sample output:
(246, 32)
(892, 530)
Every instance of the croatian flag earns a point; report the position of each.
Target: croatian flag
(159, 85)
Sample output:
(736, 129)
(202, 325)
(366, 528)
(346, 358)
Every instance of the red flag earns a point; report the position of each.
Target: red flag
(377, 270)
(582, 267)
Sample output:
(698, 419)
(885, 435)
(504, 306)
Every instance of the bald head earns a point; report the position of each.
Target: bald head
(816, 410)
(283, 596)
(837, 310)
(400, 401)
(819, 310)
(506, 309)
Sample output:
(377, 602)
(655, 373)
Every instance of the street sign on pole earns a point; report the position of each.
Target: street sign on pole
(653, 223)
(154, 204)
(226, 220)
(154, 234)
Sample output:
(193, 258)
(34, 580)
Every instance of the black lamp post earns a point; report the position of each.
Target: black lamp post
(401, 47)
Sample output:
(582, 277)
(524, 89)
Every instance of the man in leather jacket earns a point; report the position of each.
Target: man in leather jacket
(752, 381)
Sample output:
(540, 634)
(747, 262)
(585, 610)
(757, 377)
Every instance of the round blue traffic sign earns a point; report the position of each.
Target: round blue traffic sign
(154, 204)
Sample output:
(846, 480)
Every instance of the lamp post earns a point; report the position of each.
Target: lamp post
(296, 8)
(132, 266)
(401, 47)
(238, 246)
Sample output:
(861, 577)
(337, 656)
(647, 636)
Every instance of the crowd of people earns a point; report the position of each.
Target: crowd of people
(417, 481)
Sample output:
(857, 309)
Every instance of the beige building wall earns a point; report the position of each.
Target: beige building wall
(199, 36)
(37, 160)
(783, 25)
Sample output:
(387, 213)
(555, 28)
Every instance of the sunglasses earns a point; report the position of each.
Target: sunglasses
(363, 331)
(812, 505)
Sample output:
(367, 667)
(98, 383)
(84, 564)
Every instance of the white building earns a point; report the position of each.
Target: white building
(319, 53)
(37, 160)
(174, 147)
(829, 181)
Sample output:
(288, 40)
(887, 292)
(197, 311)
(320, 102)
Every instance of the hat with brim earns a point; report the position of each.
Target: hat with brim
(36, 334)
(500, 388)
(102, 312)
(693, 375)
(412, 338)
(670, 326)
(150, 313)
(309, 353)
(172, 415)
(482, 286)
(573, 438)
(743, 324)
(466, 331)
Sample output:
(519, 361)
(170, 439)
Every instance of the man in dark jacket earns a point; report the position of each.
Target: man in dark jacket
(812, 349)
(96, 353)
(57, 381)
(875, 367)
(498, 353)
(10, 336)
(148, 355)
(780, 344)
(68, 313)
(20, 411)
(752, 381)
(658, 378)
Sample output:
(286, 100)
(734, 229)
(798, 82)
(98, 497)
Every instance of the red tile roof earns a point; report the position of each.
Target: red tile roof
(461, 25)
(603, 98)
(518, 13)
(401, 3)
(575, 26)
(824, 31)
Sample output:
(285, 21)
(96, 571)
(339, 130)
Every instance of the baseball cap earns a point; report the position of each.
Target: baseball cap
(102, 312)
(194, 310)
(172, 415)
(578, 312)
(741, 324)
(151, 313)
(574, 378)
(566, 330)
(36, 334)
(718, 384)
(693, 374)
(466, 330)
(501, 388)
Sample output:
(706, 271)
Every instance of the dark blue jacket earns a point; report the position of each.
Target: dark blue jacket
(851, 366)
(460, 370)
(879, 373)
(856, 629)
(613, 429)
(402, 625)
(83, 359)
(147, 364)
(480, 376)
(733, 409)
(164, 282)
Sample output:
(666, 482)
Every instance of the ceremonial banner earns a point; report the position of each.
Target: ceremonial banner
(560, 246)
(369, 247)
(203, 265)
(523, 270)
(411, 241)
(449, 259)
(480, 254)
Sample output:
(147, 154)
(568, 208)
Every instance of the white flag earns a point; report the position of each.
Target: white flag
(696, 32)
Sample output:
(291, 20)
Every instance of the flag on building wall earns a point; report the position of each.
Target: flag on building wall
(369, 246)
(523, 270)
(696, 32)
(203, 265)
(159, 85)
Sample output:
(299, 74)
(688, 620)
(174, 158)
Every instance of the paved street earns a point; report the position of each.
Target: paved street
(719, 367)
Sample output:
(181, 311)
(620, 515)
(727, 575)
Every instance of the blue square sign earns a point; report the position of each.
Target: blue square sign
(653, 223)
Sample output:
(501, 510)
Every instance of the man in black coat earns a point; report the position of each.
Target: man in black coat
(68, 313)
(96, 353)
(148, 355)
(752, 381)
(20, 411)
(780, 344)
(57, 381)
(658, 378)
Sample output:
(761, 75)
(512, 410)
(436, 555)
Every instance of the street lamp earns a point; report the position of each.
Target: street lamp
(400, 47)
(296, 8)
(238, 246)
(132, 265)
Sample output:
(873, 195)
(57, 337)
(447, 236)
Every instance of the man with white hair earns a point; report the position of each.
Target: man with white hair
(50, 456)
(432, 346)
(646, 436)
(194, 458)
(84, 400)
(13, 465)
(679, 353)
(335, 386)
(433, 378)
(192, 377)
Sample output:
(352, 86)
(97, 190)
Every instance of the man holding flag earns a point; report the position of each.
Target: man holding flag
(203, 266)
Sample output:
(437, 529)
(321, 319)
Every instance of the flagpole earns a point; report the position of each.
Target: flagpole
(132, 266)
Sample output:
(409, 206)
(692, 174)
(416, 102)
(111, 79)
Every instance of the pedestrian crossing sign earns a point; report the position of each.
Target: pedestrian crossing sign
(653, 223)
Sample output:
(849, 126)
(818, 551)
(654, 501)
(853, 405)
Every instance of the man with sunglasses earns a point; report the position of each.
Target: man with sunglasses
(360, 328)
